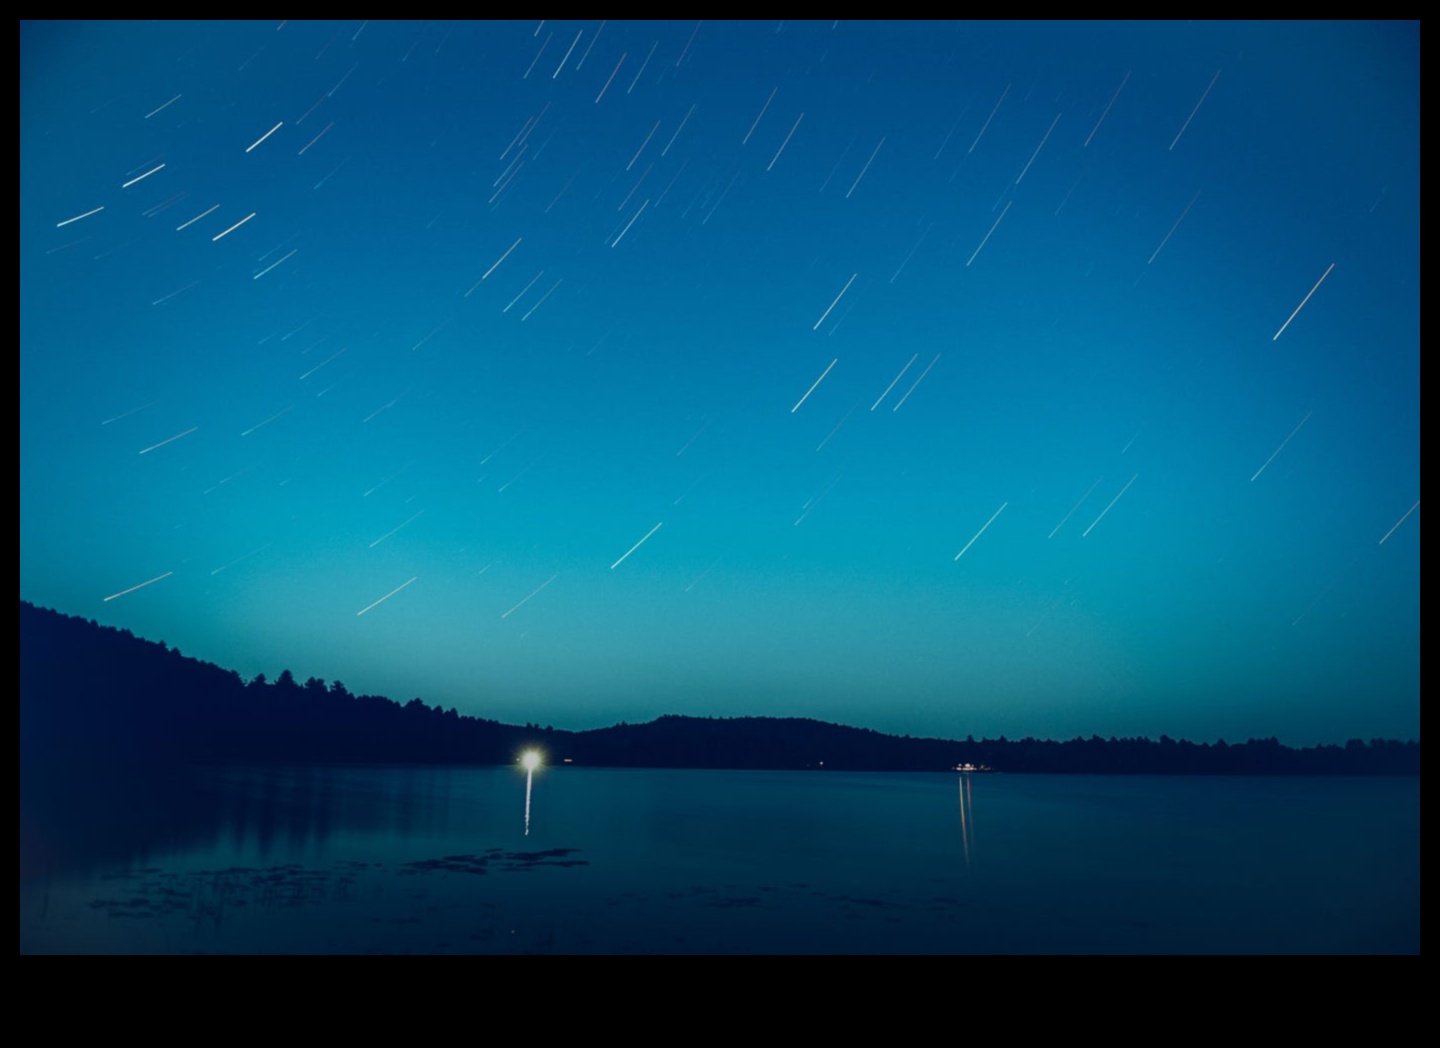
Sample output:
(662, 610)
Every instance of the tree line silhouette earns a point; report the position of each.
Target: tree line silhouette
(95, 693)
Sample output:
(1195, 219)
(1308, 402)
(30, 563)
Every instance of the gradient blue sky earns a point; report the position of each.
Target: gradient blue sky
(637, 358)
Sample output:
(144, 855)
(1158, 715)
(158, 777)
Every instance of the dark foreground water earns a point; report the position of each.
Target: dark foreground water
(437, 860)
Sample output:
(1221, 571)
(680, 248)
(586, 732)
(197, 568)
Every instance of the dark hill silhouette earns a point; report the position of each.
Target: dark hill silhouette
(98, 694)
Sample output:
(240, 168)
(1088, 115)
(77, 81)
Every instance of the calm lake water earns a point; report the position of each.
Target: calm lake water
(438, 860)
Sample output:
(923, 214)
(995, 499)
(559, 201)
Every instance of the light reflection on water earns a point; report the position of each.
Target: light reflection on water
(349, 860)
(967, 824)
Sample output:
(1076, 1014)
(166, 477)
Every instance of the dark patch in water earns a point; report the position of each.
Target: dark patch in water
(863, 902)
(496, 858)
(730, 903)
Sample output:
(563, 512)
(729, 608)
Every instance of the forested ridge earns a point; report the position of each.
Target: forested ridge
(90, 692)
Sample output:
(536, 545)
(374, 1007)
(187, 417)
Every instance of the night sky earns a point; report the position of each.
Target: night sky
(941, 378)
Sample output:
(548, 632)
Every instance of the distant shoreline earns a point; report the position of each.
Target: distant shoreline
(95, 693)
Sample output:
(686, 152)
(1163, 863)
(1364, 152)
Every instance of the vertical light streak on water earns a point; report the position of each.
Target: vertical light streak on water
(529, 778)
(964, 828)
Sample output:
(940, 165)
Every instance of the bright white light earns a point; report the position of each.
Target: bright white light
(530, 760)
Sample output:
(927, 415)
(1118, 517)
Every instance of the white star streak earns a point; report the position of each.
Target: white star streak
(762, 114)
(642, 146)
(912, 251)
(392, 531)
(387, 596)
(1106, 510)
(646, 172)
(637, 545)
(526, 288)
(562, 191)
(502, 258)
(815, 500)
(197, 218)
(518, 135)
(951, 131)
(982, 530)
(1311, 606)
(237, 560)
(1196, 109)
(784, 143)
(1037, 150)
(893, 381)
(163, 205)
(1302, 303)
(502, 446)
(548, 38)
(1174, 227)
(269, 420)
(266, 135)
(916, 383)
(988, 119)
(232, 229)
(864, 169)
(322, 363)
(272, 265)
(697, 578)
(529, 466)
(641, 71)
(169, 103)
(722, 197)
(1073, 508)
(987, 235)
(166, 298)
(536, 590)
(226, 480)
(581, 64)
(127, 414)
(507, 176)
(813, 385)
(838, 425)
(837, 300)
(142, 585)
(137, 178)
(629, 224)
(578, 34)
(167, 440)
(661, 199)
(612, 76)
(688, 43)
(339, 83)
(313, 106)
(317, 138)
(1402, 520)
(77, 218)
(692, 440)
(677, 132)
(334, 169)
(1103, 115)
(543, 297)
(435, 330)
(383, 407)
(1282, 445)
